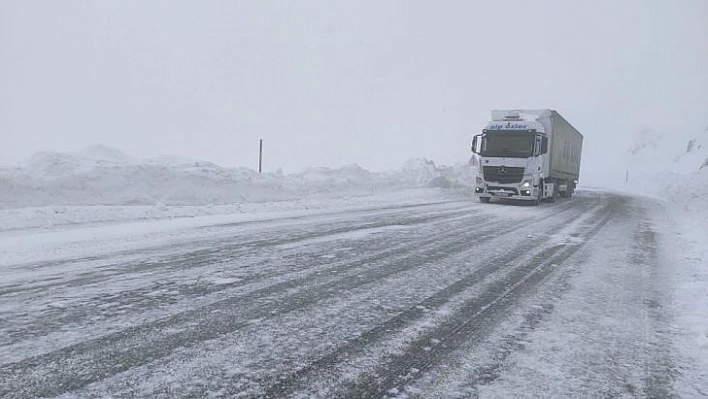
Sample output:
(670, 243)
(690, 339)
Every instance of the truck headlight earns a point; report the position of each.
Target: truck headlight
(526, 183)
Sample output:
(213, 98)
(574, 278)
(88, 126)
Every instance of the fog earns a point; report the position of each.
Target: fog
(332, 83)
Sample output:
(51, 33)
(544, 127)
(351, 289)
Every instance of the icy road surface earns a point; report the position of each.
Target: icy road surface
(444, 298)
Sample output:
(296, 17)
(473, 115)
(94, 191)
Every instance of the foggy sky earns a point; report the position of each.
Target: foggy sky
(328, 83)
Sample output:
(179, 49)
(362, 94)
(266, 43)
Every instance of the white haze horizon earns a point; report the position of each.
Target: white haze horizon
(619, 170)
(331, 84)
(655, 163)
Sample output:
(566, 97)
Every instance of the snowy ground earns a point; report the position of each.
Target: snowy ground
(672, 169)
(361, 288)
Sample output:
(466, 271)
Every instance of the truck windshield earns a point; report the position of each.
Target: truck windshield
(507, 143)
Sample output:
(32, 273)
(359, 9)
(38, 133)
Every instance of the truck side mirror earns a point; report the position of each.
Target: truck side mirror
(544, 145)
(474, 145)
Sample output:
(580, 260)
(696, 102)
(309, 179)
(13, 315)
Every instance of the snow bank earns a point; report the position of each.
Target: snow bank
(100, 184)
(102, 175)
(670, 166)
(675, 168)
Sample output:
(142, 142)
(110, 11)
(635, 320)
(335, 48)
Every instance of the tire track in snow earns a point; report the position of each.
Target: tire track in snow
(485, 372)
(633, 335)
(660, 372)
(288, 384)
(152, 340)
(259, 363)
(473, 322)
(208, 253)
(221, 255)
(76, 366)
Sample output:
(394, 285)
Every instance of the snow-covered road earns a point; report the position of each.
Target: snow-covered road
(437, 297)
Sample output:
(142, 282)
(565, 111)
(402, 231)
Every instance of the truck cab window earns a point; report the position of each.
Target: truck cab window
(538, 145)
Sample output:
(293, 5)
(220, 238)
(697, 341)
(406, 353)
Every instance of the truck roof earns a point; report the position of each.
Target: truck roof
(519, 114)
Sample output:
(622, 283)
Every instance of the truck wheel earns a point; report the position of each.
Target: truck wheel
(484, 199)
(539, 196)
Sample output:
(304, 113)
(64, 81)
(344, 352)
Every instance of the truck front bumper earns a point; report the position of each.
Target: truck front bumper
(507, 192)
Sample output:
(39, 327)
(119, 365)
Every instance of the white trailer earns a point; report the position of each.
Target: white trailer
(530, 155)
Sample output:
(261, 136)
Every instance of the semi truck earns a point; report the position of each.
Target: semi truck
(529, 155)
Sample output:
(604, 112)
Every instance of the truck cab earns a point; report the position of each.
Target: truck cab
(512, 155)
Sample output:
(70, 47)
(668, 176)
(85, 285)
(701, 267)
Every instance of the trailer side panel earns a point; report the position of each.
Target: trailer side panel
(565, 149)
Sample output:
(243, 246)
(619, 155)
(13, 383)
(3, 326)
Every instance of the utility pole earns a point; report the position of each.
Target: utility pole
(260, 157)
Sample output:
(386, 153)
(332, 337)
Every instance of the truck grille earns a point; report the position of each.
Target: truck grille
(503, 174)
(506, 189)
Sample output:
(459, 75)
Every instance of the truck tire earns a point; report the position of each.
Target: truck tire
(538, 198)
(484, 200)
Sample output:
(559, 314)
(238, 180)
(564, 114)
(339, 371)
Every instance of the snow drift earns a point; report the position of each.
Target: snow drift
(102, 175)
(670, 166)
